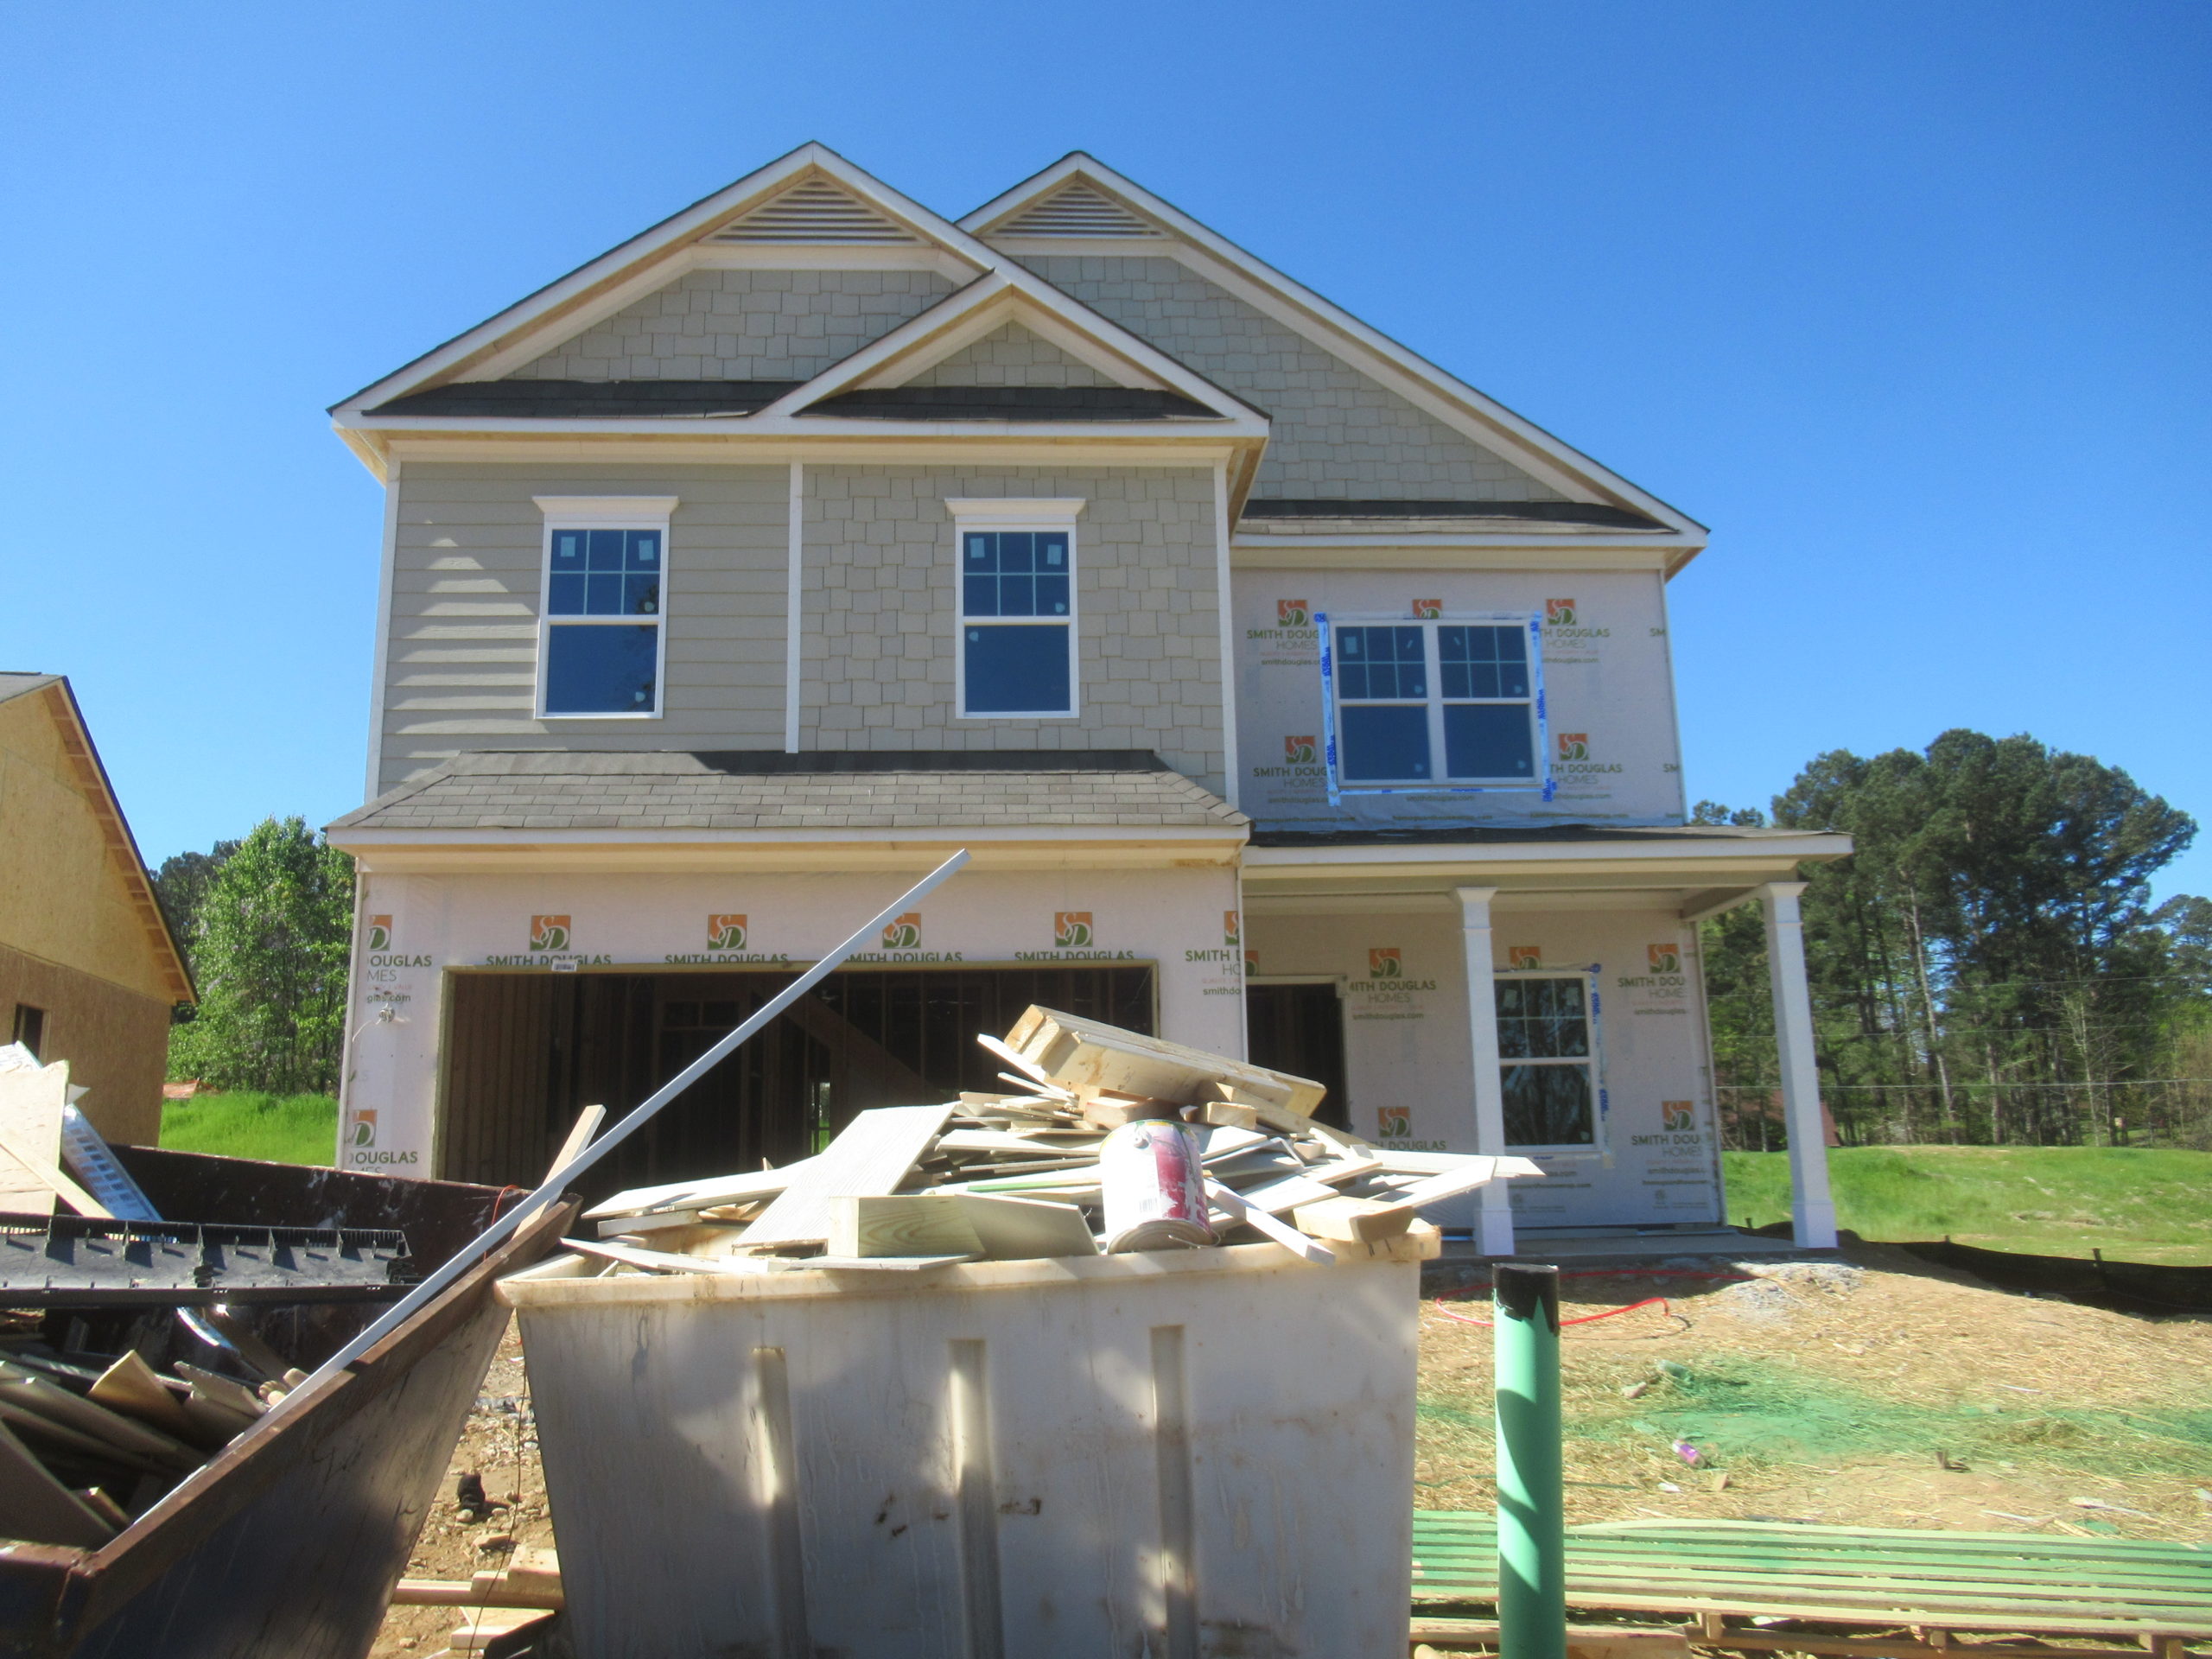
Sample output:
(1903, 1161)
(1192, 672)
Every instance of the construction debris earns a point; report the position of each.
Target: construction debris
(1106, 1141)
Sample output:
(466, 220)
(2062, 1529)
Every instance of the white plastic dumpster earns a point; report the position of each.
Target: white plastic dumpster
(1198, 1453)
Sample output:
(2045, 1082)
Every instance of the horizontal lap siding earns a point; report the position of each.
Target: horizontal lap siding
(462, 669)
(881, 628)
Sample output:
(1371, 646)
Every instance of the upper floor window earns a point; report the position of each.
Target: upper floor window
(1017, 604)
(600, 647)
(1435, 703)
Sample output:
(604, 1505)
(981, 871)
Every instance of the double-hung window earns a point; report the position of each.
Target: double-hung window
(1016, 609)
(600, 649)
(1547, 1061)
(1436, 703)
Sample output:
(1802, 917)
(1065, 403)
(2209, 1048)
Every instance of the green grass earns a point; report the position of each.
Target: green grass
(2133, 1203)
(281, 1128)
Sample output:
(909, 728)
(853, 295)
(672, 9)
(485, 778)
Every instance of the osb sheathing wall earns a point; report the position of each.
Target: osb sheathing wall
(78, 938)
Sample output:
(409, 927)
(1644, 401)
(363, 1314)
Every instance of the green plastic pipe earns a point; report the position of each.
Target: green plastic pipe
(1531, 1518)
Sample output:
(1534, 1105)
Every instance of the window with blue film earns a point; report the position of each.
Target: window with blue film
(1017, 637)
(603, 609)
(1547, 1064)
(1410, 696)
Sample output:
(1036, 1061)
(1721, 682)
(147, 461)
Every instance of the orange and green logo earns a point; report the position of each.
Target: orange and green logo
(1574, 746)
(548, 932)
(1665, 958)
(1525, 955)
(1251, 962)
(1070, 929)
(1232, 927)
(1385, 961)
(725, 932)
(364, 1132)
(1428, 610)
(1394, 1122)
(1559, 613)
(1292, 613)
(1679, 1117)
(380, 933)
(1301, 751)
(904, 933)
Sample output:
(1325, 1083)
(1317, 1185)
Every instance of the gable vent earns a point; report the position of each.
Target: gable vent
(1078, 210)
(814, 212)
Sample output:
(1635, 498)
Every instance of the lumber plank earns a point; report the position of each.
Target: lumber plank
(700, 1193)
(1074, 1051)
(1280, 1197)
(30, 1118)
(580, 1136)
(1351, 1220)
(1019, 1229)
(50, 1400)
(873, 1155)
(906, 1223)
(1232, 1205)
(131, 1387)
(38, 1509)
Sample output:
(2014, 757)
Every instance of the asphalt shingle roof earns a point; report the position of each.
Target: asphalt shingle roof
(567, 790)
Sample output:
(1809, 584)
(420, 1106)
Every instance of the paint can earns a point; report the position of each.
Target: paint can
(1154, 1187)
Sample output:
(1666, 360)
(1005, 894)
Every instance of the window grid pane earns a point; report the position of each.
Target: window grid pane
(1014, 573)
(1025, 667)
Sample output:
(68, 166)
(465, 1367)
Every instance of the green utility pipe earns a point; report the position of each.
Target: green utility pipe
(1531, 1521)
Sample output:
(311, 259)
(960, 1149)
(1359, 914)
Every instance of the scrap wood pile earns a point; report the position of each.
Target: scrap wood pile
(1106, 1141)
(89, 1440)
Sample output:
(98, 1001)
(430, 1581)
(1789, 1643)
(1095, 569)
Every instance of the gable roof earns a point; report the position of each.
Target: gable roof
(122, 847)
(811, 196)
(1080, 205)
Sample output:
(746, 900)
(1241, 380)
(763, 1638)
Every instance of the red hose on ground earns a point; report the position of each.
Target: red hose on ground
(1605, 1272)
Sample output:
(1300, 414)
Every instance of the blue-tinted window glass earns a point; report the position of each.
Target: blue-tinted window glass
(1015, 551)
(641, 595)
(567, 551)
(979, 595)
(1385, 744)
(605, 549)
(1489, 739)
(603, 595)
(1051, 552)
(1383, 662)
(1016, 670)
(1547, 1106)
(1479, 662)
(1541, 1020)
(564, 595)
(1015, 572)
(1017, 596)
(594, 669)
(644, 549)
(1051, 596)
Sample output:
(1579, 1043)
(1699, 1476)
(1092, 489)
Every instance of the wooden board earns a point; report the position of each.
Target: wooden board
(1074, 1051)
(37, 1509)
(944, 1223)
(870, 1157)
(1017, 1229)
(1279, 1197)
(701, 1193)
(31, 1121)
(1351, 1220)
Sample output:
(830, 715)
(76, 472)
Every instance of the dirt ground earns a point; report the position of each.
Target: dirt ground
(1878, 1392)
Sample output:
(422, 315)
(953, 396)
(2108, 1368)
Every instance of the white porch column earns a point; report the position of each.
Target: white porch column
(1494, 1210)
(1812, 1211)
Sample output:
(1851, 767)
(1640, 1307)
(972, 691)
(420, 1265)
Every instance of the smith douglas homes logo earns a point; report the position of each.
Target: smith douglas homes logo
(1525, 955)
(1385, 961)
(1070, 930)
(1293, 642)
(1428, 610)
(1559, 613)
(1574, 746)
(1232, 928)
(364, 1129)
(548, 932)
(725, 932)
(380, 933)
(1678, 1116)
(1301, 751)
(1292, 613)
(1664, 958)
(1394, 1122)
(904, 933)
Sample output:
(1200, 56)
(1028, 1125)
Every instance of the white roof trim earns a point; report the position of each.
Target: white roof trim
(1482, 418)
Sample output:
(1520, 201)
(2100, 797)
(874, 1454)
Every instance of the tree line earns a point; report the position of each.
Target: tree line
(1987, 967)
(267, 923)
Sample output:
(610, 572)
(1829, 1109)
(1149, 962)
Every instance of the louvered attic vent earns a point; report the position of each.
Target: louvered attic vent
(1078, 210)
(814, 212)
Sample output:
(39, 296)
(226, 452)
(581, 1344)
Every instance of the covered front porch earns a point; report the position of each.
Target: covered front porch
(1538, 992)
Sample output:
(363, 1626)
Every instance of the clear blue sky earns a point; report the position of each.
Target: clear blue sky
(1909, 303)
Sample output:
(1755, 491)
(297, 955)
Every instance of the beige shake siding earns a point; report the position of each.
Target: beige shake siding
(742, 324)
(1337, 434)
(881, 622)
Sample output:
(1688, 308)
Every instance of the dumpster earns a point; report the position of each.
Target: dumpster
(288, 1544)
(1178, 1454)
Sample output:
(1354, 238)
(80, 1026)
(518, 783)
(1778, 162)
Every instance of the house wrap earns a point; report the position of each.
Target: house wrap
(1293, 698)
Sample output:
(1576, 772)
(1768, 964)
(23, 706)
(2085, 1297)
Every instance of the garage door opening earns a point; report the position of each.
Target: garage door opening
(524, 1053)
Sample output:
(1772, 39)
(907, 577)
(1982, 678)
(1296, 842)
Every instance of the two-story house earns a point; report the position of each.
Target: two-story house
(1287, 691)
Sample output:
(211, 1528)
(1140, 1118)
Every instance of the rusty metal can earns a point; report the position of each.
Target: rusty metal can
(1154, 1187)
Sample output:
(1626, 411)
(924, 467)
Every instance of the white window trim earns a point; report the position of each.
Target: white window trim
(1541, 783)
(603, 513)
(992, 513)
(1600, 1106)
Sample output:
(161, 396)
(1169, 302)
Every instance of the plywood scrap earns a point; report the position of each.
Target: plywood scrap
(872, 1155)
(1075, 1052)
(699, 1193)
(131, 1386)
(1353, 1221)
(37, 1509)
(30, 1127)
(925, 1223)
